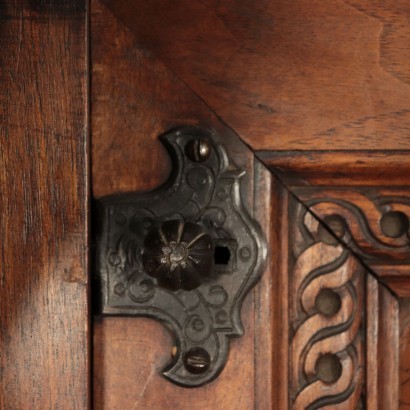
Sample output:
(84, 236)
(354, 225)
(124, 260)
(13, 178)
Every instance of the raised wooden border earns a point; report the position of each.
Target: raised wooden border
(348, 194)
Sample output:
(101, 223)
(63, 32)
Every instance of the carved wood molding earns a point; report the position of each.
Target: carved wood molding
(348, 262)
(343, 322)
(326, 318)
(373, 223)
(362, 198)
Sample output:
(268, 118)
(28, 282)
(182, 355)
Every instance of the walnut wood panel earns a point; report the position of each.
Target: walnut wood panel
(289, 75)
(365, 196)
(404, 354)
(280, 240)
(359, 203)
(339, 168)
(135, 98)
(343, 323)
(326, 306)
(285, 76)
(44, 205)
(382, 347)
(373, 223)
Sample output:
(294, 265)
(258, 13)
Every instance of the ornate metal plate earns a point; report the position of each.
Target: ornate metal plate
(185, 254)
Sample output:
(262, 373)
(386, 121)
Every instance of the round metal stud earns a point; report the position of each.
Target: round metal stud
(197, 360)
(198, 150)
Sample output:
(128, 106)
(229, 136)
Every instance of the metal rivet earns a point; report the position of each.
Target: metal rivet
(333, 230)
(198, 150)
(394, 224)
(197, 360)
(328, 368)
(328, 302)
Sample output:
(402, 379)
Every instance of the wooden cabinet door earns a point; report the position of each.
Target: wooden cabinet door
(316, 97)
(319, 92)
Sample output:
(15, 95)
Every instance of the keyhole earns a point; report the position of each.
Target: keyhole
(222, 255)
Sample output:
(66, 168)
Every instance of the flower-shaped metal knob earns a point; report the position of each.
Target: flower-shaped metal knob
(180, 255)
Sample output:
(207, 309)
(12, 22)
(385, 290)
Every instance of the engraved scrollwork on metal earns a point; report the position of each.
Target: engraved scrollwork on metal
(185, 254)
(327, 287)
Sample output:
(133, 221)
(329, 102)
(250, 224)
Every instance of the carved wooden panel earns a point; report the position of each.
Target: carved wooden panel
(326, 317)
(373, 223)
(154, 62)
(349, 260)
(343, 322)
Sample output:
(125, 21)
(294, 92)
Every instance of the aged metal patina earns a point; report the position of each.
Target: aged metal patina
(185, 254)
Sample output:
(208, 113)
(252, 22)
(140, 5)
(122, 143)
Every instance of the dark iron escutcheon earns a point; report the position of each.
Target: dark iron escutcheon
(185, 254)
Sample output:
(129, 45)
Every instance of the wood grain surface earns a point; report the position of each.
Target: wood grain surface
(314, 82)
(275, 323)
(353, 194)
(339, 309)
(43, 205)
(135, 98)
(404, 358)
(327, 315)
(339, 168)
(362, 187)
(306, 75)
(383, 389)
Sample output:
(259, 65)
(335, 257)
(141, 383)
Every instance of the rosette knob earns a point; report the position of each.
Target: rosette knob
(179, 255)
